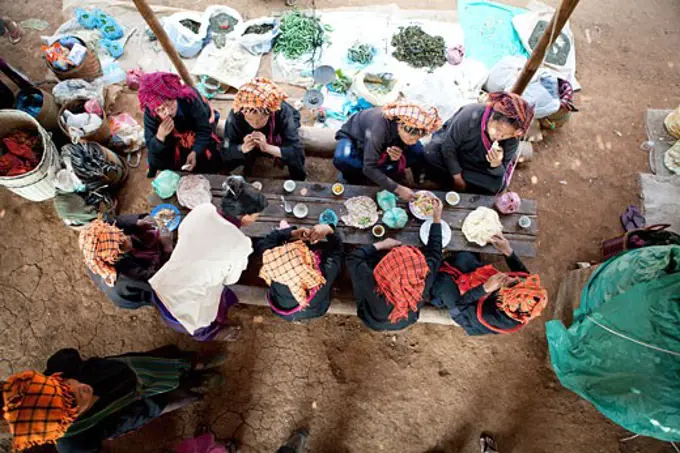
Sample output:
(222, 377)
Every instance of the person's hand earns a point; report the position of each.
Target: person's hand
(394, 152)
(167, 126)
(459, 183)
(147, 222)
(438, 207)
(190, 164)
(405, 193)
(259, 137)
(248, 144)
(495, 155)
(501, 244)
(301, 233)
(497, 282)
(387, 244)
(319, 232)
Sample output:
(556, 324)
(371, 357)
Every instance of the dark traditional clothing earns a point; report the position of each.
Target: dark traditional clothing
(281, 130)
(461, 147)
(280, 297)
(464, 308)
(361, 151)
(195, 125)
(132, 389)
(131, 288)
(373, 307)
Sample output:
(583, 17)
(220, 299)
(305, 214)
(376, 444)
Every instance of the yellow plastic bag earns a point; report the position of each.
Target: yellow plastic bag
(672, 123)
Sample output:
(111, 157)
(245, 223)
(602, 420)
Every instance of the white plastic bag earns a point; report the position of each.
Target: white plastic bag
(71, 89)
(376, 98)
(258, 44)
(187, 43)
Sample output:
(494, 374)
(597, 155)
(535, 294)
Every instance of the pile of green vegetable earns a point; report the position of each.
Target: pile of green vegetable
(341, 84)
(300, 34)
(191, 25)
(361, 53)
(259, 29)
(417, 48)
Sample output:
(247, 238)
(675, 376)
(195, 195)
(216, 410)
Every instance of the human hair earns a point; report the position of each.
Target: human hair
(241, 198)
(497, 116)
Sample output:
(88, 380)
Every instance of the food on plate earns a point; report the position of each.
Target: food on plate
(362, 212)
(480, 225)
(164, 217)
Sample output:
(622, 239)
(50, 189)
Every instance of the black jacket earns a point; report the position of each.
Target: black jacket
(373, 309)
(331, 264)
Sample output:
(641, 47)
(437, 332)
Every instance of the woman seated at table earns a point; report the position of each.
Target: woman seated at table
(179, 126)
(483, 300)
(191, 289)
(475, 148)
(380, 143)
(122, 255)
(391, 288)
(300, 276)
(263, 124)
(241, 203)
(78, 404)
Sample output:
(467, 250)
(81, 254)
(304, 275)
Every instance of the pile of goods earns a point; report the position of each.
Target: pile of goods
(418, 49)
(21, 152)
(66, 53)
(361, 53)
(30, 102)
(300, 34)
(362, 212)
(341, 84)
(380, 83)
(221, 24)
(191, 25)
(259, 29)
(82, 123)
(98, 19)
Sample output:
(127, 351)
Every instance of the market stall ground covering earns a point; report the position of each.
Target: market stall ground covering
(429, 389)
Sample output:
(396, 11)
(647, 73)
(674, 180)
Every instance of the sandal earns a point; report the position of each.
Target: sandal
(487, 443)
(14, 32)
(632, 219)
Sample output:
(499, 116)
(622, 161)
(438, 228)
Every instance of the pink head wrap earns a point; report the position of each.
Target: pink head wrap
(157, 87)
(508, 203)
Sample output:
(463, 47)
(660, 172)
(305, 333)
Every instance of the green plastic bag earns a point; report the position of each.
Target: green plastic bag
(395, 218)
(165, 184)
(622, 352)
(386, 200)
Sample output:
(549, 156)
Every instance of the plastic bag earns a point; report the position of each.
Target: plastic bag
(386, 200)
(672, 123)
(258, 44)
(362, 88)
(395, 218)
(127, 135)
(93, 106)
(165, 184)
(71, 89)
(188, 43)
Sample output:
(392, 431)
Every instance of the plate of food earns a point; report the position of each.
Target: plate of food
(166, 216)
(362, 212)
(423, 206)
(425, 233)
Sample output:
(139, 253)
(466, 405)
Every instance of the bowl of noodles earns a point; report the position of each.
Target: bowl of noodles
(423, 206)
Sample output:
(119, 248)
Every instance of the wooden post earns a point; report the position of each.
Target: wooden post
(157, 29)
(536, 59)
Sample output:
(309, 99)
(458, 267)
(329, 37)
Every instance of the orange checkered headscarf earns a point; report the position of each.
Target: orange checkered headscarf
(259, 94)
(292, 265)
(38, 408)
(524, 301)
(400, 277)
(414, 116)
(100, 243)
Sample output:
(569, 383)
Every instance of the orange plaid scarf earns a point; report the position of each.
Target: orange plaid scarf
(414, 116)
(400, 277)
(292, 265)
(100, 243)
(259, 94)
(38, 408)
(524, 301)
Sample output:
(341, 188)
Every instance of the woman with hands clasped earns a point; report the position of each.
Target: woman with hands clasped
(390, 288)
(300, 268)
(483, 300)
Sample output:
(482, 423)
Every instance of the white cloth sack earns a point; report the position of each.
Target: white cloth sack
(187, 43)
(258, 44)
(210, 254)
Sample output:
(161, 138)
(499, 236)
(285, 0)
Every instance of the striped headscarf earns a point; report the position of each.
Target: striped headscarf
(400, 277)
(292, 265)
(414, 116)
(38, 408)
(260, 94)
(524, 301)
(100, 244)
(512, 106)
(157, 87)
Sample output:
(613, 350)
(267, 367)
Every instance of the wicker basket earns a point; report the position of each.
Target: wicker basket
(101, 135)
(49, 113)
(89, 69)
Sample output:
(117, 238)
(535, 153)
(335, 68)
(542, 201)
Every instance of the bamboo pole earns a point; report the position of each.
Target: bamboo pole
(551, 33)
(156, 27)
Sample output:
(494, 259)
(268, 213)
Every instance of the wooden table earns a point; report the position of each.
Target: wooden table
(319, 197)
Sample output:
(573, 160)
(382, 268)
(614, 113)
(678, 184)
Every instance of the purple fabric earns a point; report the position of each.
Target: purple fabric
(207, 333)
(205, 443)
(485, 120)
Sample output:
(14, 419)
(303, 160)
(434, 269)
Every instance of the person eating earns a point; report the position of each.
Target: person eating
(483, 300)
(301, 276)
(261, 124)
(391, 288)
(476, 148)
(382, 142)
(241, 202)
(179, 126)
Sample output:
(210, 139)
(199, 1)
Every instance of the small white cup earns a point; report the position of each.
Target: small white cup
(524, 222)
(289, 186)
(300, 210)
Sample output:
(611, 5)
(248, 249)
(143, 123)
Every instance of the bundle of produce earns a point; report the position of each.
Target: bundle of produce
(300, 34)
(361, 53)
(418, 49)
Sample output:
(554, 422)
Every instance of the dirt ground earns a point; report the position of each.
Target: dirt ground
(429, 389)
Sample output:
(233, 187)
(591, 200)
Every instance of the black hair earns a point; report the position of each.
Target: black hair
(496, 116)
(241, 198)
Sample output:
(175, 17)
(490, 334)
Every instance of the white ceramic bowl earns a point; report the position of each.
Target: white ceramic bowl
(289, 186)
(337, 189)
(452, 198)
(257, 185)
(524, 222)
(378, 231)
(300, 210)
